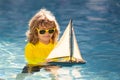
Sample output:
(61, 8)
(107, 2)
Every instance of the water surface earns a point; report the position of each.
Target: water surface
(97, 28)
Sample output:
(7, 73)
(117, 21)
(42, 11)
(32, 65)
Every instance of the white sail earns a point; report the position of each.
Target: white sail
(76, 51)
(62, 49)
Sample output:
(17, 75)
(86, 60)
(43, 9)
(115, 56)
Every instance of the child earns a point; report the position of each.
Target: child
(42, 37)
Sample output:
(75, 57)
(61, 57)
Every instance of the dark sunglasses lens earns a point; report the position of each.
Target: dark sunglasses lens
(42, 31)
(51, 31)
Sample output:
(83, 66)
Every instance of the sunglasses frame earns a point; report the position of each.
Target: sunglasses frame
(46, 30)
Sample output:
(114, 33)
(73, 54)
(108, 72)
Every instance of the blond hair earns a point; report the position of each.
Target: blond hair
(42, 18)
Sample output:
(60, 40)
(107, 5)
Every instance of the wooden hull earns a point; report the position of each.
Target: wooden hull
(65, 63)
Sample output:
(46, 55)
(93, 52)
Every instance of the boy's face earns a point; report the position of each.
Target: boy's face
(45, 34)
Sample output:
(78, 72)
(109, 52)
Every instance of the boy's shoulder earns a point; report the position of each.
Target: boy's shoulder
(29, 44)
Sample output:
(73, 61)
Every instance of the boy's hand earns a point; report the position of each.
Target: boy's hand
(48, 60)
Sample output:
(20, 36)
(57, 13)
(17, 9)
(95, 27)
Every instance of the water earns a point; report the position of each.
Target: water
(97, 28)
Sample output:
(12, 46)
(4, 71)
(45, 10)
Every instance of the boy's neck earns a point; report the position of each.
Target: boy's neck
(45, 42)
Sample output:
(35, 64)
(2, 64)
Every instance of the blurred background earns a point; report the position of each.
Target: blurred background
(97, 28)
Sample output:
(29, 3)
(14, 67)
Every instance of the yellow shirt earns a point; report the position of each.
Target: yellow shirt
(38, 53)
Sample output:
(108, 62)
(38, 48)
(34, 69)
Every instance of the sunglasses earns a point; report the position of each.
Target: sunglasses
(43, 31)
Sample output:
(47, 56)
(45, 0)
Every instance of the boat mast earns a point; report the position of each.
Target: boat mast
(71, 41)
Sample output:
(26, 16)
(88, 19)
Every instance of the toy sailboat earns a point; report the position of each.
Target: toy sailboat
(67, 48)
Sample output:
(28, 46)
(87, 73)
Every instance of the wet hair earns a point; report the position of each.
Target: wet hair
(43, 18)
